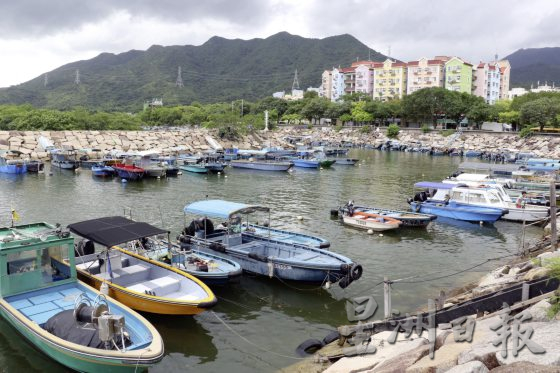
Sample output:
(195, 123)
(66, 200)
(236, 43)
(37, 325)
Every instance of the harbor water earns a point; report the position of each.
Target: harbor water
(258, 323)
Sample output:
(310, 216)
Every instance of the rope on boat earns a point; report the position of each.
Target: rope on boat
(252, 343)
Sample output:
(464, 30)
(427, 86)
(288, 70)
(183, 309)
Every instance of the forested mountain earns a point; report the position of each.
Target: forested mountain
(218, 70)
(534, 64)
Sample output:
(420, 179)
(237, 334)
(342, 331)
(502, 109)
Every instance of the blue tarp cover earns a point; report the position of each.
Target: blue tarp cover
(221, 209)
(432, 185)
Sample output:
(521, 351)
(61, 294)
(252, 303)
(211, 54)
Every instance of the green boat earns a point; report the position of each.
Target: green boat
(62, 317)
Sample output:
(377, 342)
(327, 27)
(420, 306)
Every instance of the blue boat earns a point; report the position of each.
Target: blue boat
(264, 255)
(261, 165)
(210, 268)
(313, 163)
(543, 164)
(11, 166)
(62, 317)
(102, 170)
(473, 153)
(284, 236)
(451, 209)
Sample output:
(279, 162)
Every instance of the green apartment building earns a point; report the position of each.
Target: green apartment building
(458, 75)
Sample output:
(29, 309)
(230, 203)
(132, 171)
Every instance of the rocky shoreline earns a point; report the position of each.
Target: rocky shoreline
(480, 355)
(200, 139)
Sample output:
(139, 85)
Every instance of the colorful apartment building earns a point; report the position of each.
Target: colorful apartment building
(505, 69)
(326, 85)
(486, 81)
(349, 79)
(424, 73)
(364, 76)
(337, 83)
(458, 75)
(389, 80)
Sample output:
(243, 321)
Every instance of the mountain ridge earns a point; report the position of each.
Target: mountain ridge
(220, 69)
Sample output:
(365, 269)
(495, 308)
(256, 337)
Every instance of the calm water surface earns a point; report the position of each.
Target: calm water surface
(272, 317)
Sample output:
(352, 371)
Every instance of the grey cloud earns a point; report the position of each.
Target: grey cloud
(38, 18)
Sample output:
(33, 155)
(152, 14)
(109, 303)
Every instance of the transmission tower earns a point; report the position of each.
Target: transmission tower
(295, 84)
(77, 79)
(179, 81)
(46, 81)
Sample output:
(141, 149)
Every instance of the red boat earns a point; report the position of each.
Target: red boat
(128, 171)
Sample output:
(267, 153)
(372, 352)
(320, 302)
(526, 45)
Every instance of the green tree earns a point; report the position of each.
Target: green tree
(314, 109)
(542, 112)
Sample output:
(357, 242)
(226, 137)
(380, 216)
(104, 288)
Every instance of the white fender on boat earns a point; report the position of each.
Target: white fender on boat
(370, 231)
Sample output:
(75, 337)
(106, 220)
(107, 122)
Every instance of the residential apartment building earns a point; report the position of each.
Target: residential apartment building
(349, 80)
(389, 80)
(364, 76)
(458, 75)
(337, 83)
(486, 81)
(505, 69)
(326, 84)
(424, 73)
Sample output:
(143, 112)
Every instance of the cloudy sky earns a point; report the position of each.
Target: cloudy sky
(37, 36)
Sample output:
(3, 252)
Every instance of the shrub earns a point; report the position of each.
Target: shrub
(365, 129)
(338, 127)
(393, 131)
(426, 129)
(554, 271)
(448, 132)
(525, 132)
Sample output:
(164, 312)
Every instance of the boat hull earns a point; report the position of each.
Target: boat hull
(14, 168)
(262, 166)
(35, 167)
(346, 161)
(82, 358)
(375, 225)
(197, 169)
(454, 211)
(66, 165)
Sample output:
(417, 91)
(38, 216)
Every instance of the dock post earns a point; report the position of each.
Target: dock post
(387, 297)
(553, 217)
(525, 291)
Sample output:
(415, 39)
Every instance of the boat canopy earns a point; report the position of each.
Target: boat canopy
(218, 208)
(114, 230)
(432, 185)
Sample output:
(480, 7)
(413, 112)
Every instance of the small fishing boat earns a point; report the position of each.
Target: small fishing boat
(423, 203)
(194, 168)
(62, 317)
(366, 220)
(260, 254)
(473, 153)
(313, 163)
(407, 218)
(35, 166)
(141, 283)
(209, 268)
(64, 159)
(170, 165)
(201, 164)
(128, 171)
(88, 162)
(101, 170)
(261, 165)
(346, 161)
(9, 165)
(284, 236)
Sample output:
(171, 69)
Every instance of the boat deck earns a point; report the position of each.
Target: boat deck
(284, 236)
(41, 305)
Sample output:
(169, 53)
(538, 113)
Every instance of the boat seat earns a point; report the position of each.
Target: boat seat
(181, 296)
(107, 276)
(91, 266)
(132, 274)
(160, 286)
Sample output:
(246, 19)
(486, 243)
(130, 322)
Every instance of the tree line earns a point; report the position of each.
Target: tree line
(424, 107)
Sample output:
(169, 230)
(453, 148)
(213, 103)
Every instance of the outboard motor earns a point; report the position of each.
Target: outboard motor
(84, 247)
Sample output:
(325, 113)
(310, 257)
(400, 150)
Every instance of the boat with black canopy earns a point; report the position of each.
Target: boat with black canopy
(139, 282)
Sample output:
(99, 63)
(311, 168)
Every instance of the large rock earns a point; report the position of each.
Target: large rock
(525, 367)
(536, 273)
(471, 367)
(400, 363)
(546, 335)
(444, 359)
(539, 311)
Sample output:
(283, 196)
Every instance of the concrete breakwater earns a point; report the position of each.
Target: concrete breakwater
(199, 139)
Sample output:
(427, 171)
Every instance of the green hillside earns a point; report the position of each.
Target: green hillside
(218, 70)
(532, 65)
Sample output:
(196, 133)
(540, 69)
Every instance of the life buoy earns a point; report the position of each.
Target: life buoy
(308, 347)
(356, 271)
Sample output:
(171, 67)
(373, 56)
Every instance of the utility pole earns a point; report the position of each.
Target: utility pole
(387, 297)
(295, 84)
(179, 81)
(553, 217)
(77, 79)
